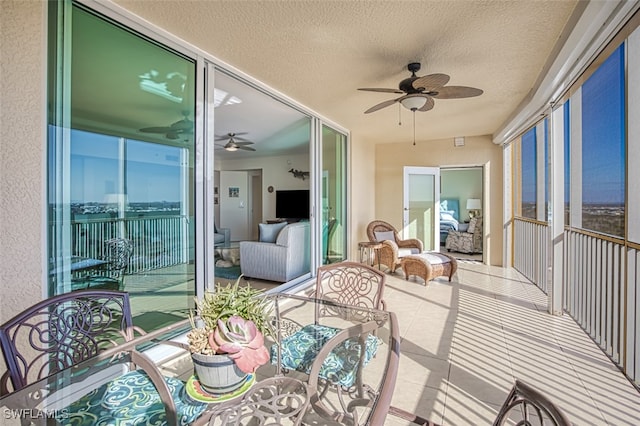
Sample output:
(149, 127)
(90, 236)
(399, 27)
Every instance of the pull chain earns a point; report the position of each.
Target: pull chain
(414, 127)
(399, 115)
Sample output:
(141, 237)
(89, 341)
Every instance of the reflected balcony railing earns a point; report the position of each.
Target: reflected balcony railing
(158, 241)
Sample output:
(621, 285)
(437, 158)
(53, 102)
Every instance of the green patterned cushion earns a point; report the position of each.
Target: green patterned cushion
(131, 399)
(301, 348)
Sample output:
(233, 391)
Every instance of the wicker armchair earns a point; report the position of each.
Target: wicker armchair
(392, 250)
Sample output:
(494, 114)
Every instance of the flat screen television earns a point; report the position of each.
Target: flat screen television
(292, 204)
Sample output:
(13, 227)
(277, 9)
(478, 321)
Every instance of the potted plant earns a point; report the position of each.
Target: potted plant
(227, 338)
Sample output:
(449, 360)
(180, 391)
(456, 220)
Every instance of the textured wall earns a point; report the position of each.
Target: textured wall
(392, 157)
(22, 144)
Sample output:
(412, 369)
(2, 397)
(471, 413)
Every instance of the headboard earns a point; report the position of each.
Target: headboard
(451, 204)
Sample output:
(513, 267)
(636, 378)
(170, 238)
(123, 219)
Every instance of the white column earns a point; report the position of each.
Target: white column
(575, 111)
(556, 198)
(540, 163)
(507, 205)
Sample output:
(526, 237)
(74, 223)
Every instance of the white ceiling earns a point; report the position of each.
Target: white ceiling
(319, 52)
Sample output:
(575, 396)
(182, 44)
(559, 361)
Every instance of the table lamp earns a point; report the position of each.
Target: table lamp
(474, 205)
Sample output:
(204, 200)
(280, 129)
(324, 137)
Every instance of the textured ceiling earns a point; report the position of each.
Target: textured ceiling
(320, 52)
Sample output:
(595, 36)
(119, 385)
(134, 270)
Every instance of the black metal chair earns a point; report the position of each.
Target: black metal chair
(66, 330)
(524, 406)
(118, 253)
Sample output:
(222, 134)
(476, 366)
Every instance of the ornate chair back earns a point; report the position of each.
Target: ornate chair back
(118, 253)
(351, 283)
(60, 332)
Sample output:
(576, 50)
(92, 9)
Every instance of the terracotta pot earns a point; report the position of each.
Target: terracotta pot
(218, 374)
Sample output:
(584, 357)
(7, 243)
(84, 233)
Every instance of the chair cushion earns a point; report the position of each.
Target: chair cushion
(402, 252)
(301, 348)
(269, 231)
(385, 235)
(132, 399)
(435, 258)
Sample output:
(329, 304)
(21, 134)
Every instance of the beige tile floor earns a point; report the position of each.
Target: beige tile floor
(465, 342)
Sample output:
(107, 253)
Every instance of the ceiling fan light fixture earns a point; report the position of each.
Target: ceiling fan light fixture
(414, 102)
(231, 148)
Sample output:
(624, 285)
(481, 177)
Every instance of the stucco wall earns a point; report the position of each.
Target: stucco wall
(22, 145)
(478, 151)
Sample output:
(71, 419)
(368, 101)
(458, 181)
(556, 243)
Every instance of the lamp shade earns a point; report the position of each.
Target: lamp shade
(474, 204)
(414, 102)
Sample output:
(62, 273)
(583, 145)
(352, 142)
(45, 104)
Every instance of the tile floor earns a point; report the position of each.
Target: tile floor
(465, 342)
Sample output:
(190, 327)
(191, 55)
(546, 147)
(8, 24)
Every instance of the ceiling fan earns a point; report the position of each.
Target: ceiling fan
(418, 93)
(235, 142)
(174, 130)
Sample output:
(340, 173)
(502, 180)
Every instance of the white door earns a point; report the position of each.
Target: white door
(421, 203)
(234, 197)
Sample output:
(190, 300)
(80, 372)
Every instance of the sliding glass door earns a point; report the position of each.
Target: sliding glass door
(334, 193)
(121, 161)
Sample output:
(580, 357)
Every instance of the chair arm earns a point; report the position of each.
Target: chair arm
(161, 386)
(411, 243)
(391, 245)
(227, 234)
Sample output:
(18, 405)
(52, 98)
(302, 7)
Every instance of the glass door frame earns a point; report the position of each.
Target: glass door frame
(424, 171)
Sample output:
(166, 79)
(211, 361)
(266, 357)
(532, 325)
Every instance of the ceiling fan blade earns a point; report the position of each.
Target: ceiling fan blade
(457, 92)
(382, 105)
(157, 129)
(246, 148)
(428, 105)
(431, 82)
(173, 135)
(182, 125)
(239, 139)
(243, 143)
(373, 89)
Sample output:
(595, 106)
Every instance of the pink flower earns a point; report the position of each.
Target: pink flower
(242, 341)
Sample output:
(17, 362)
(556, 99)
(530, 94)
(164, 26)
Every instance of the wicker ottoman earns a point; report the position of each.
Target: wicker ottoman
(429, 265)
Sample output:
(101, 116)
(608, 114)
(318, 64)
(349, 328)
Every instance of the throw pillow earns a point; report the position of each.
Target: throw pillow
(385, 235)
(269, 231)
(472, 225)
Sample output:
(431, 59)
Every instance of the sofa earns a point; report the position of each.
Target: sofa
(282, 260)
(221, 236)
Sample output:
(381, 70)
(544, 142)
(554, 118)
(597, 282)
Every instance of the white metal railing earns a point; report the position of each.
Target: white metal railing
(601, 286)
(531, 242)
(596, 296)
(157, 241)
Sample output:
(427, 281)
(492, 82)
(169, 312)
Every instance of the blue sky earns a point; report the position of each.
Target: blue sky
(603, 143)
(153, 170)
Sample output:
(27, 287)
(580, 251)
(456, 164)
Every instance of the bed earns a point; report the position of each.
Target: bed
(449, 217)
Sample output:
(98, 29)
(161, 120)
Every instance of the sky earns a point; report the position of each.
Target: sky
(603, 143)
(153, 170)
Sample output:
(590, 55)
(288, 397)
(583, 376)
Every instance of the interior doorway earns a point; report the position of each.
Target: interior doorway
(461, 199)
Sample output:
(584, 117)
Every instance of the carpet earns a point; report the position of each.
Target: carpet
(230, 273)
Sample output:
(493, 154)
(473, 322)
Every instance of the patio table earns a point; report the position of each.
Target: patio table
(48, 397)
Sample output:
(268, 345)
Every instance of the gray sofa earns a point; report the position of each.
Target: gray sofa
(222, 237)
(287, 258)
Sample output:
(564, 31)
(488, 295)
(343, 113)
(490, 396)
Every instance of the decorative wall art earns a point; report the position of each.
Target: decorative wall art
(299, 174)
(234, 192)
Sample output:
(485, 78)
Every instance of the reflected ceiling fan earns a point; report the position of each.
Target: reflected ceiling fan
(175, 130)
(235, 142)
(418, 93)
